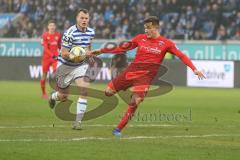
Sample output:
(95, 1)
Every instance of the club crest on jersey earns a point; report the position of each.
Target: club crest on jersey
(56, 37)
(161, 43)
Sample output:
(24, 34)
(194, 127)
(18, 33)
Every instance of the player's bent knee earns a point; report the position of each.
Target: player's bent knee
(138, 100)
(84, 92)
(109, 93)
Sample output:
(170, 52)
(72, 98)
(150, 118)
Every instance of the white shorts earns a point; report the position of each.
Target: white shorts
(66, 74)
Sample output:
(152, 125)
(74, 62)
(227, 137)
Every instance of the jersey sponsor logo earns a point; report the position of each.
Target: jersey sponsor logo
(151, 50)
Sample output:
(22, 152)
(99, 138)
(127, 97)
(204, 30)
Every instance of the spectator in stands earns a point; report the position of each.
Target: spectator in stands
(185, 19)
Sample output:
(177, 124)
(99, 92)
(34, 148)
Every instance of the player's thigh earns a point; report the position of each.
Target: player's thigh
(139, 92)
(83, 84)
(45, 66)
(80, 71)
(64, 76)
(119, 83)
(142, 85)
(82, 79)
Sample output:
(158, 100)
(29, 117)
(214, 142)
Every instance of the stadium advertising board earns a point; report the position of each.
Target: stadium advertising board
(19, 48)
(211, 51)
(33, 48)
(30, 69)
(218, 74)
(195, 50)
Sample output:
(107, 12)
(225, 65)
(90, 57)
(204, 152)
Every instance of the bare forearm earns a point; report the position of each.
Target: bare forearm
(121, 49)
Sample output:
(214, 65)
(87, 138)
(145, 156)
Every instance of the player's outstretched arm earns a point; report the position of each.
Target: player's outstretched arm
(174, 50)
(93, 52)
(121, 49)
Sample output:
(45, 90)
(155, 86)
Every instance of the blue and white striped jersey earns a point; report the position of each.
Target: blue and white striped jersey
(74, 37)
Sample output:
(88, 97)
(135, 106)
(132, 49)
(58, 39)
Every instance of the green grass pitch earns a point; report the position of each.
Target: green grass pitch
(209, 128)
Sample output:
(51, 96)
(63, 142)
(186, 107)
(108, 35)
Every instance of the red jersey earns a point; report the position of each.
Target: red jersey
(52, 42)
(150, 51)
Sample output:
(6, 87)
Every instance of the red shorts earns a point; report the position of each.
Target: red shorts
(137, 77)
(46, 63)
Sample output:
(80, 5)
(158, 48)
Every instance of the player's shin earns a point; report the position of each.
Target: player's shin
(127, 116)
(42, 83)
(81, 108)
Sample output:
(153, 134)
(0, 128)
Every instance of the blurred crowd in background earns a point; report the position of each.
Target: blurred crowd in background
(179, 19)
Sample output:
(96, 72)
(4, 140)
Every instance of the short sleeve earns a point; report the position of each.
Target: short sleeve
(67, 40)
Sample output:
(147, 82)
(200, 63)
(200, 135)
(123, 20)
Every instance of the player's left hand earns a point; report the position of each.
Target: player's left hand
(54, 57)
(96, 52)
(91, 60)
(199, 74)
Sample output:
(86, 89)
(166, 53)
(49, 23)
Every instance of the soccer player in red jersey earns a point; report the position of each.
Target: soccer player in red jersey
(51, 42)
(151, 49)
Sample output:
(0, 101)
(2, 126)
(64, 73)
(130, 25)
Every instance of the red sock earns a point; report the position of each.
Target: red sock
(127, 116)
(42, 82)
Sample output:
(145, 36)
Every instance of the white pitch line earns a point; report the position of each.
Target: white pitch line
(87, 125)
(113, 138)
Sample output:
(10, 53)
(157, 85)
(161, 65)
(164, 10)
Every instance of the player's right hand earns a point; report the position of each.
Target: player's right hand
(199, 74)
(89, 54)
(94, 52)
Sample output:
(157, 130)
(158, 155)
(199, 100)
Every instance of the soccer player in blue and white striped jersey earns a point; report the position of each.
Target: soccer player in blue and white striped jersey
(77, 35)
